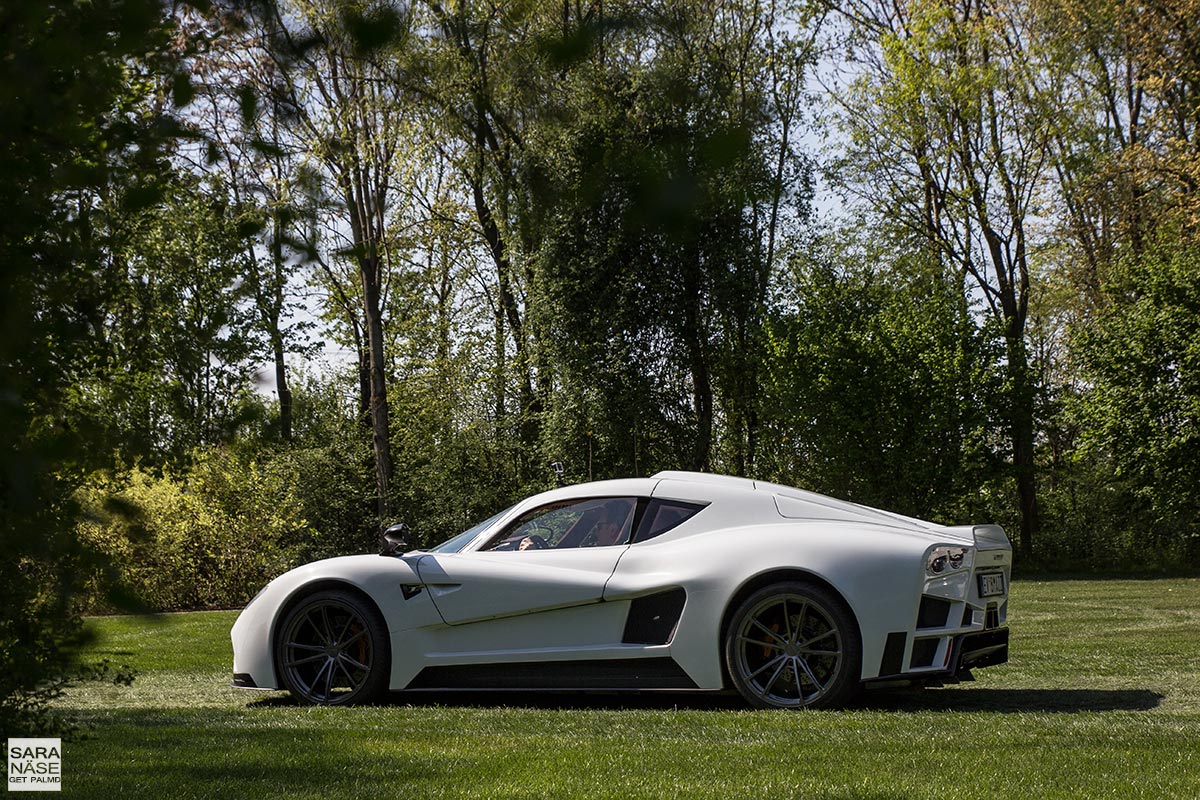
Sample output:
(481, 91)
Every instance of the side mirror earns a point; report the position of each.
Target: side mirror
(395, 540)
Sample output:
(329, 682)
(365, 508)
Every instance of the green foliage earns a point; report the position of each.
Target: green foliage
(1096, 522)
(175, 339)
(453, 477)
(211, 530)
(950, 135)
(1142, 411)
(38, 628)
(879, 386)
(655, 190)
(332, 488)
(442, 439)
(624, 279)
(211, 537)
(74, 124)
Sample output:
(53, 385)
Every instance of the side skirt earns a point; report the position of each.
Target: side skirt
(625, 673)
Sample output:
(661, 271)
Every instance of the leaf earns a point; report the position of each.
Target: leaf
(374, 30)
(248, 104)
(182, 89)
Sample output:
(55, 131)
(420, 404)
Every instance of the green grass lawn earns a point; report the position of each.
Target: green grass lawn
(1101, 698)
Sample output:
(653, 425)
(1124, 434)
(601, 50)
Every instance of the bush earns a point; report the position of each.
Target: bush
(1119, 440)
(878, 387)
(209, 537)
(333, 486)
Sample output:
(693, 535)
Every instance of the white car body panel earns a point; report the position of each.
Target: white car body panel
(471, 587)
(476, 607)
(870, 587)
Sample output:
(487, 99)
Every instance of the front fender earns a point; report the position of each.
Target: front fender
(383, 579)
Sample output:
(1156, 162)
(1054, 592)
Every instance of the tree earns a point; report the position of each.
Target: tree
(1123, 80)
(1123, 77)
(484, 74)
(950, 139)
(332, 89)
(1142, 409)
(629, 156)
(244, 146)
(178, 333)
(877, 376)
(73, 122)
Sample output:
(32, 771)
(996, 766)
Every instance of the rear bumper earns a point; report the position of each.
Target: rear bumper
(963, 652)
(980, 649)
(959, 624)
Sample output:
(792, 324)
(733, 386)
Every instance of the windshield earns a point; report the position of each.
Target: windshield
(463, 539)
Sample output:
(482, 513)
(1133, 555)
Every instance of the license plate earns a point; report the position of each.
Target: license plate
(991, 585)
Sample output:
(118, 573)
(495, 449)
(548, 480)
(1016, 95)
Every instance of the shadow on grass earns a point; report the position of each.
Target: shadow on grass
(548, 700)
(1013, 701)
(1004, 701)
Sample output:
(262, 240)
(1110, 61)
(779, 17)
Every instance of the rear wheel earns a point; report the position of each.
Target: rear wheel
(332, 649)
(794, 645)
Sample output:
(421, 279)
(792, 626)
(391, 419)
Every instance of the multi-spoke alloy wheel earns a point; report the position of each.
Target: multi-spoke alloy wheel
(332, 649)
(793, 645)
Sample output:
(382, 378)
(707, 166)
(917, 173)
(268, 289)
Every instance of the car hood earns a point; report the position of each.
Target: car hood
(360, 570)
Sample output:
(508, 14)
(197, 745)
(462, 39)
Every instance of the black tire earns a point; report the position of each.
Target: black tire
(794, 645)
(332, 648)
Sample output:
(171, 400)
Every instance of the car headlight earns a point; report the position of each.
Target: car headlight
(945, 559)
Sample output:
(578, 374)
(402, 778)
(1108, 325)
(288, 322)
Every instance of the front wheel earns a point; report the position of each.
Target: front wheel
(332, 649)
(794, 645)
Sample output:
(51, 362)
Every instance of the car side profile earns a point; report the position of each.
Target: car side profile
(680, 581)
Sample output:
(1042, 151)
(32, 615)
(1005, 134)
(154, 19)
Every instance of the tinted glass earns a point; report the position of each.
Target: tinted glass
(596, 522)
(463, 539)
(663, 515)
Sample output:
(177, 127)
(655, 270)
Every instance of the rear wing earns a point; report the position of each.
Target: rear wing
(987, 537)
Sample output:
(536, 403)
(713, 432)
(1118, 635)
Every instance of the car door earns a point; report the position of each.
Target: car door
(575, 548)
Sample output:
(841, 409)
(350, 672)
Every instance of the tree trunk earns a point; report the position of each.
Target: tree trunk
(505, 297)
(498, 376)
(282, 388)
(1021, 426)
(702, 398)
(378, 410)
(702, 393)
(279, 274)
(364, 377)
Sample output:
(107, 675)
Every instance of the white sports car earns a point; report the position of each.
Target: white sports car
(679, 581)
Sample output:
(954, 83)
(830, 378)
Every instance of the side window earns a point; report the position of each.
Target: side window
(597, 522)
(663, 515)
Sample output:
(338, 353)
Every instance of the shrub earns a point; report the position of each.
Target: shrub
(209, 537)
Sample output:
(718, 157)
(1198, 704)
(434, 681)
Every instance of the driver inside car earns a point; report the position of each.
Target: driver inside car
(533, 542)
(610, 529)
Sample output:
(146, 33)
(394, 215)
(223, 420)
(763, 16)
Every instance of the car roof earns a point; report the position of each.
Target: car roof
(790, 502)
(796, 503)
